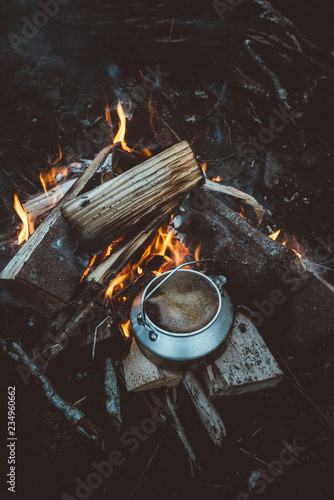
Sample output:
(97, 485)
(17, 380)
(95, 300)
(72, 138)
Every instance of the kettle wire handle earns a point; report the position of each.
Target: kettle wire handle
(142, 316)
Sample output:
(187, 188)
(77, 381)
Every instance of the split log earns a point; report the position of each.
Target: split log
(124, 253)
(40, 205)
(245, 366)
(262, 274)
(240, 195)
(44, 274)
(134, 198)
(141, 374)
(207, 413)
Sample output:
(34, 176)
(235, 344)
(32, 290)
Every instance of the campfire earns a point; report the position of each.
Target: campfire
(183, 288)
(166, 249)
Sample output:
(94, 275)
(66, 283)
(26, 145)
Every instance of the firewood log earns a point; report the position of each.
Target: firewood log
(141, 374)
(137, 196)
(44, 273)
(40, 205)
(207, 413)
(246, 365)
(124, 252)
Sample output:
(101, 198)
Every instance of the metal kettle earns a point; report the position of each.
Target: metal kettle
(200, 333)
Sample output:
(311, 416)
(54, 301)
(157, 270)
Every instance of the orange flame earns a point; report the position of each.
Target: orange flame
(122, 129)
(275, 235)
(27, 228)
(50, 179)
(146, 152)
(217, 179)
(242, 212)
(98, 258)
(105, 253)
(60, 155)
(203, 165)
(118, 283)
(165, 245)
(88, 268)
(290, 242)
(197, 252)
(126, 329)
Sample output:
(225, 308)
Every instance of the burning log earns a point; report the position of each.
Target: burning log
(236, 193)
(261, 272)
(44, 273)
(124, 252)
(246, 365)
(142, 375)
(40, 205)
(134, 198)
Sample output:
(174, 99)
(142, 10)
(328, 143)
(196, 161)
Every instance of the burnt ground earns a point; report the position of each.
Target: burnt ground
(215, 92)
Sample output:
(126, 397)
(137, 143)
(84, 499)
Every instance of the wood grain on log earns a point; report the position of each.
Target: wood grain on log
(40, 205)
(44, 273)
(141, 374)
(137, 196)
(240, 195)
(124, 253)
(207, 413)
(246, 365)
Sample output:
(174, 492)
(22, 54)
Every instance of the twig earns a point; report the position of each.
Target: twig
(259, 460)
(299, 387)
(146, 468)
(113, 401)
(254, 434)
(282, 20)
(208, 414)
(80, 400)
(180, 431)
(280, 91)
(296, 49)
(236, 193)
(70, 411)
(313, 403)
(157, 403)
